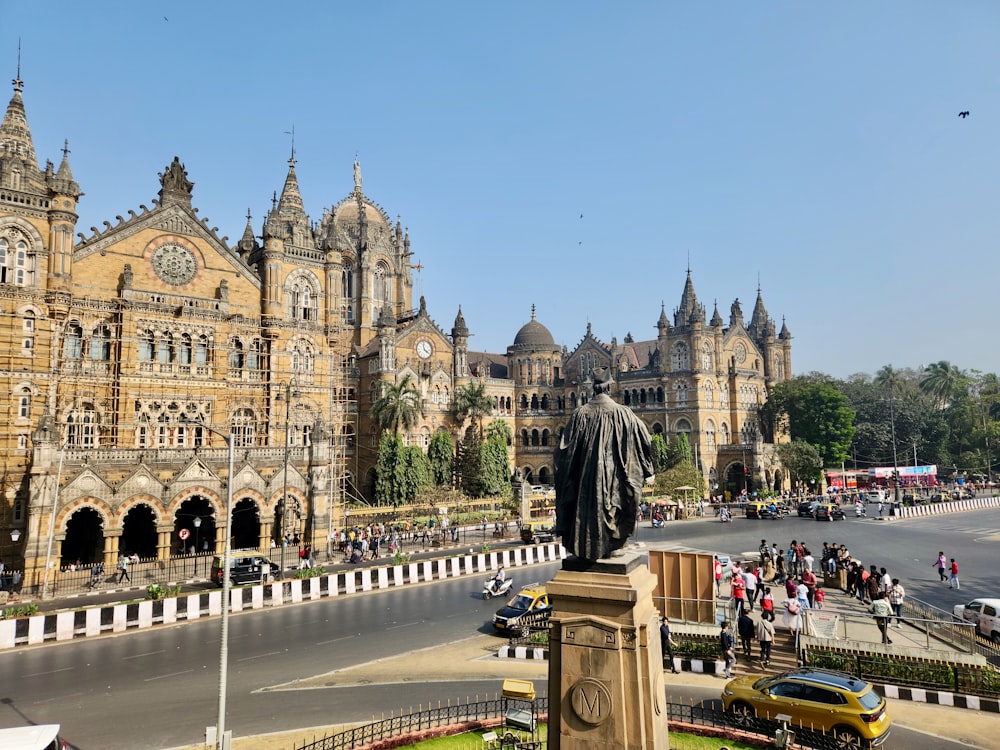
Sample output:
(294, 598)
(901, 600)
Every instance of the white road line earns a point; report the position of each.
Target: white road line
(260, 656)
(148, 653)
(54, 671)
(335, 640)
(165, 676)
(405, 625)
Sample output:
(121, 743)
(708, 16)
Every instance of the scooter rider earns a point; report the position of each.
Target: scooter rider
(499, 578)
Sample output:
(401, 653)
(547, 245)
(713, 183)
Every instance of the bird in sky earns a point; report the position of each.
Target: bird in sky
(964, 114)
(581, 216)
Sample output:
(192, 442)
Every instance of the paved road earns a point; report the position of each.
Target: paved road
(158, 688)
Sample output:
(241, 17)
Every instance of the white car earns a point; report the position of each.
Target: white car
(985, 613)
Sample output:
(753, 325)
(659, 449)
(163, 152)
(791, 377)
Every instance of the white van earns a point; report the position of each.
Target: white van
(38, 737)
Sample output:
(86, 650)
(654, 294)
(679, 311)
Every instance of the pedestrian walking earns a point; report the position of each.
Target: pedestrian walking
(791, 616)
(765, 636)
(123, 569)
(747, 630)
(667, 643)
(942, 566)
(896, 596)
(737, 589)
(727, 645)
(953, 578)
(718, 577)
(750, 584)
(881, 611)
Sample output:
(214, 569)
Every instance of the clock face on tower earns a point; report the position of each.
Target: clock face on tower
(174, 263)
(424, 349)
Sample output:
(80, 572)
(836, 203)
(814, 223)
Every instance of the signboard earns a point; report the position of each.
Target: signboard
(183, 533)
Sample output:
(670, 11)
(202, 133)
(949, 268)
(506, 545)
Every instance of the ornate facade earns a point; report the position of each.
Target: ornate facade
(142, 356)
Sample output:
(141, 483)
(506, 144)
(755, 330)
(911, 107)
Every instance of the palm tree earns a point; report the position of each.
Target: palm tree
(398, 406)
(890, 379)
(472, 401)
(942, 381)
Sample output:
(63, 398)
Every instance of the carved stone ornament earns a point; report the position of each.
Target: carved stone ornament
(175, 178)
(591, 701)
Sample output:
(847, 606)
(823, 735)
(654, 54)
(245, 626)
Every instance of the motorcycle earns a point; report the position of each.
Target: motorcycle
(492, 587)
(657, 522)
(725, 516)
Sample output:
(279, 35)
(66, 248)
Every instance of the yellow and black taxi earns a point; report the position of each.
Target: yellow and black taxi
(818, 701)
(763, 510)
(828, 512)
(527, 609)
(537, 532)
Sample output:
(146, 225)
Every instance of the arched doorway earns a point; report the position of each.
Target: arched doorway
(738, 478)
(201, 536)
(139, 532)
(246, 525)
(84, 537)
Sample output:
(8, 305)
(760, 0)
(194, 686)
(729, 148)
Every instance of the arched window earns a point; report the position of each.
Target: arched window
(24, 403)
(709, 393)
(236, 359)
(679, 357)
(347, 283)
(81, 427)
(73, 342)
(147, 343)
(710, 433)
(243, 428)
(184, 352)
(201, 350)
(707, 357)
(380, 278)
(16, 266)
(100, 344)
(165, 349)
(254, 355)
(523, 402)
(302, 359)
(725, 434)
(28, 329)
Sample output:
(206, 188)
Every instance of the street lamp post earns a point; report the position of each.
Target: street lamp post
(197, 549)
(227, 555)
(290, 391)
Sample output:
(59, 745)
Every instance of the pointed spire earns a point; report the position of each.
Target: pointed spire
(290, 203)
(689, 311)
(63, 182)
(17, 151)
(716, 318)
(758, 320)
(247, 243)
(785, 333)
(459, 329)
(663, 323)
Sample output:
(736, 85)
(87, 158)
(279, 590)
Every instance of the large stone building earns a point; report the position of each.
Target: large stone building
(141, 357)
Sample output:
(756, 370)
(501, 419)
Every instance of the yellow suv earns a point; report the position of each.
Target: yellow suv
(838, 705)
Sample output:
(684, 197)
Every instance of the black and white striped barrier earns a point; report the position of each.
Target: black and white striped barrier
(118, 618)
(948, 506)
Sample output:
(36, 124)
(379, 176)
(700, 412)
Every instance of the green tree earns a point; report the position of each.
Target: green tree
(472, 402)
(469, 463)
(681, 474)
(802, 461)
(943, 382)
(817, 413)
(494, 464)
(400, 471)
(398, 406)
(441, 455)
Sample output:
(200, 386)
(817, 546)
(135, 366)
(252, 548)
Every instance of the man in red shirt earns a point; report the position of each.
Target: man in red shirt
(809, 579)
(738, 590)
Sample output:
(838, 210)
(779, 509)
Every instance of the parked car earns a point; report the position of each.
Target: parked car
(245, 569)
(530, 607)
(821, 700)
(36, 737)
(828, 513)
(807, 507)
(985, 613)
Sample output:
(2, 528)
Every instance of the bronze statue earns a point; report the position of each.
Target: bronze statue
(603, 459)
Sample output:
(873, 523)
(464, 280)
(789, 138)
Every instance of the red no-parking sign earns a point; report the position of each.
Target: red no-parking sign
(183, 533)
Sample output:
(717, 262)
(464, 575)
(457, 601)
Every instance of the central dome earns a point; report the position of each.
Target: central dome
(533, 335)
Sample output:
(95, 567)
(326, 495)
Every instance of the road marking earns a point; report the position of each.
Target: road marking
(148, 653)
(165, 676)
(343, 638)
(404, 625)
(259, 656)
(54, 671)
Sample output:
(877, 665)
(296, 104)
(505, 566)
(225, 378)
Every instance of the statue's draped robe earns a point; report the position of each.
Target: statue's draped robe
(601, 464)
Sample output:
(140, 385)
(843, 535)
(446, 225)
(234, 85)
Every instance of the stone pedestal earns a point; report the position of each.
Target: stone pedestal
(605, 665)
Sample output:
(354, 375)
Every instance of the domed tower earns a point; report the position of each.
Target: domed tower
(534, 358)
(375, 262)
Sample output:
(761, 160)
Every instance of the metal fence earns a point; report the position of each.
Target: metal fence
(491, 713)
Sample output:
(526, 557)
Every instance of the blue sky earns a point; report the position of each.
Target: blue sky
(813, 147)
